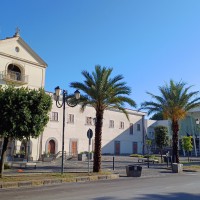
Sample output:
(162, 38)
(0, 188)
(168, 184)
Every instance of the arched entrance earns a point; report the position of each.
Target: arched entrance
(51, 147)
(14, 72)
(26, 148)
(23, 149)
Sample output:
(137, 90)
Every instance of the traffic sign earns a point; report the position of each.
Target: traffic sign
(89, 133)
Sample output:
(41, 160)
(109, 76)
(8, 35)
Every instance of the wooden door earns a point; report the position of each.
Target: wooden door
(74, 148)
(117, 147)
(135, 147)
(51, 147)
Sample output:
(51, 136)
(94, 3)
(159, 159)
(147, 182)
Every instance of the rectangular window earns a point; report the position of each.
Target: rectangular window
(54, 116)
(111, 124)
(94, 121)
(88, 120)
(131, 129)
(71, 118)
(121, 125)
(138, 127)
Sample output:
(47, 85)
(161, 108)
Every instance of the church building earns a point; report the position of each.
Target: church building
(23, 67)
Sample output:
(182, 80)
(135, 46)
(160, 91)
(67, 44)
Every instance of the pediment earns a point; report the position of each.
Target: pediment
(17, 48)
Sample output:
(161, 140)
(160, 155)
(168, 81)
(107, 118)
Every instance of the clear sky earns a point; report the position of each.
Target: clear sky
(149, 42)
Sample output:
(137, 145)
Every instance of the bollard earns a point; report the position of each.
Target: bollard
(167, 161)
(113, 163)
(148, 161)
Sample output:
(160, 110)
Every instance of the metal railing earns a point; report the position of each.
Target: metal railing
(12, 76)
(67, 155)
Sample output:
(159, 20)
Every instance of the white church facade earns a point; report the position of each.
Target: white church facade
(21, 66)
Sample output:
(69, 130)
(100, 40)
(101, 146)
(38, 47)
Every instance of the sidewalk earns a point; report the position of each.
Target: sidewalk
(73, 165)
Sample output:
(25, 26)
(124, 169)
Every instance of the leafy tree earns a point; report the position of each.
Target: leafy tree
(24, 114)
(102, 92)
(175, 101)
(148, 145)
(161, 138)
(187, 144)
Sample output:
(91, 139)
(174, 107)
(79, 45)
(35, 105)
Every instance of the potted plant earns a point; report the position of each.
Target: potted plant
(22, 154)
(133, 170)
(46, 157)
(82, 156)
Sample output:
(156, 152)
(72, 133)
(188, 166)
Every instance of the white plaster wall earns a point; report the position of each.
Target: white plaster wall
(36, 75)
(35, 148)
(32, 69)
(78, 130)
(122, 135)
(8, 47)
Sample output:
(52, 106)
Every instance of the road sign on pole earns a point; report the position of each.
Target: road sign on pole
(89, 135)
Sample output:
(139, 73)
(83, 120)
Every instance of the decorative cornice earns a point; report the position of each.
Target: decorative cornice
(20, 59)
(18, 39)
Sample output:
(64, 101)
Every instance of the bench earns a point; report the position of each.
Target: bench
(24, 164)
(148, 160)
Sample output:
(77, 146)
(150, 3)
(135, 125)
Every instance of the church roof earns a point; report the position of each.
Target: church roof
(11, 42)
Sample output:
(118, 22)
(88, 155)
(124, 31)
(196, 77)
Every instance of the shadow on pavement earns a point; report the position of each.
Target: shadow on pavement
(174, 196)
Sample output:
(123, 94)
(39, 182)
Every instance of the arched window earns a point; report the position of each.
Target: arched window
(14, 72)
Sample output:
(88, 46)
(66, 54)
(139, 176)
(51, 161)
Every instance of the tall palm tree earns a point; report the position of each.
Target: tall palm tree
(175, 101)
(102, 92)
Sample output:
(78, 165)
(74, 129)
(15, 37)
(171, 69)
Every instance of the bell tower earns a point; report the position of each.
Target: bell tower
(19, 64)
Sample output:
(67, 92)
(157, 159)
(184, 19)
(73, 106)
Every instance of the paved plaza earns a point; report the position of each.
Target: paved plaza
(73, 165)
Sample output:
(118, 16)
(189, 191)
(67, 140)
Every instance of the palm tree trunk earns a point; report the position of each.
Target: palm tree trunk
(175, 153)
(3, 155)
(98, 138)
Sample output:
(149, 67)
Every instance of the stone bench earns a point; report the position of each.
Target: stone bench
(148, 160)
(24, 164)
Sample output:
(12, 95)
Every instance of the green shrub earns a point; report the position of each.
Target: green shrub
(150, 156)
(136, 155)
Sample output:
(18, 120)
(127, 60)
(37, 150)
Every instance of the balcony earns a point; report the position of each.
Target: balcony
(13, 77)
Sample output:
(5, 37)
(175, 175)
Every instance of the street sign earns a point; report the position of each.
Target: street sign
(89, 133)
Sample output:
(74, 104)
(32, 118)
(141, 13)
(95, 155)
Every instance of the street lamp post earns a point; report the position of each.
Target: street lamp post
(197, 123)
(65, 99)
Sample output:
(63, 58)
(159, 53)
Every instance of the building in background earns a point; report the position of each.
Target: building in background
(150, 126)
(189, 126)
(119, 136)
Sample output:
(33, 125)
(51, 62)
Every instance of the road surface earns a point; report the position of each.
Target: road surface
(185, 187)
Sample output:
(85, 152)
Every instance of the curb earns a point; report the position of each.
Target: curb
(44, 182)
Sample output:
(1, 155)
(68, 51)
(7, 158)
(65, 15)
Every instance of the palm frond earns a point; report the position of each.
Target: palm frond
(174, 102)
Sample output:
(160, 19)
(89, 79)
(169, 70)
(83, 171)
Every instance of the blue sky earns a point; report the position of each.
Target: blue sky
(149, 42)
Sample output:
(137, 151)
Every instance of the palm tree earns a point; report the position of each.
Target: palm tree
(102, 92)
(175, 101)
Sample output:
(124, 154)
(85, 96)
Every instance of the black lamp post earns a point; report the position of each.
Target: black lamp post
(65, 99)
(197, 123)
